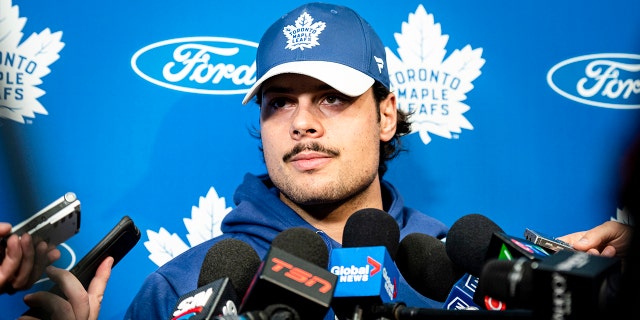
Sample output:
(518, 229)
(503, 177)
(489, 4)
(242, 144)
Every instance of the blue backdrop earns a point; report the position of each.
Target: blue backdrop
(524, 112)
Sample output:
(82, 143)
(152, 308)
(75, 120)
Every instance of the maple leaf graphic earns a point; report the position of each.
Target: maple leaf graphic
(203, 225)
(31, 61)
(299, 36)
(426, 84)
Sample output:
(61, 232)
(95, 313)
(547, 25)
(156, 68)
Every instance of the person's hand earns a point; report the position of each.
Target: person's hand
(80, 304)
(609, 239)
(23, 262)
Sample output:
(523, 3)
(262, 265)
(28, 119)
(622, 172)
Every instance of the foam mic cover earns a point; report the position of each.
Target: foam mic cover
(424, 263)
(227, 270)
(303, 243)
(468, 241)
(230, 258)
(508, 280)
(371, 227)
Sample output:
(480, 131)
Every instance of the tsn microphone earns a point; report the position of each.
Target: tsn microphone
(293, 281)
(226, 272)
(367, 275)
(566, 285)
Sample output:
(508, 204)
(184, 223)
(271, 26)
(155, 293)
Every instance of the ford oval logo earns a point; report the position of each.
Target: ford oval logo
(205, 65)
(608, 80)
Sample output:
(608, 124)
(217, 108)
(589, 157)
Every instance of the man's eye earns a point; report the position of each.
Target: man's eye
(277, 103)
(334, 100)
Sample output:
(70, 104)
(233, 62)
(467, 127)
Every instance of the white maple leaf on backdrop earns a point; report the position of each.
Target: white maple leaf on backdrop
(203, 225)
(40, 50)
(438, 96)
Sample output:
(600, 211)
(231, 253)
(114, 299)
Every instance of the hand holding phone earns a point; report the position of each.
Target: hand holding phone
(117, 243)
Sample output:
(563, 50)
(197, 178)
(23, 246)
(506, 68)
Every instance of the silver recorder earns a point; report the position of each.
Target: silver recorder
(545, 241)
(54, 224)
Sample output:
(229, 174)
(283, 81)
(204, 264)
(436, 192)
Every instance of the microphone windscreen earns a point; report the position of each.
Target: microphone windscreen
(372, 227)
(468, 241)
(230, 258)
(303, 243)
(424, 263)
(510, 281)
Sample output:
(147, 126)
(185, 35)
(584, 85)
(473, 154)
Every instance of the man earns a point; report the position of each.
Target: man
(328, 124)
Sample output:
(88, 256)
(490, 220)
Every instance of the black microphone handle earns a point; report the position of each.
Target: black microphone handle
(271, 312)
(402, 312)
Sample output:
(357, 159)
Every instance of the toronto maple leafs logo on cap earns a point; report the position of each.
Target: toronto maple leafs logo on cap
(304, 34)
(328, 42)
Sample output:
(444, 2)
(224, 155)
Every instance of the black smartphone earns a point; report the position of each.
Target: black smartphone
(546, 241)
(117, 243)
(54, 224)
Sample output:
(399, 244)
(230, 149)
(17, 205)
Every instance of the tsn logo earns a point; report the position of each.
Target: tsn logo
(300, 275)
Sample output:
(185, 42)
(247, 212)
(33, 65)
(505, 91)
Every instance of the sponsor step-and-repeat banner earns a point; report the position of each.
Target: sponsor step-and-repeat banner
(523, 112)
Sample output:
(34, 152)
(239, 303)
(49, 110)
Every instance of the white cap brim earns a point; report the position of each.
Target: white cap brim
(345, 79)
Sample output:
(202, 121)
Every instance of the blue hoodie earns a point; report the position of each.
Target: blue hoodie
(258, 217)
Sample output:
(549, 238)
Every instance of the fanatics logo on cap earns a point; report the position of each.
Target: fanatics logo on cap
(304, 34)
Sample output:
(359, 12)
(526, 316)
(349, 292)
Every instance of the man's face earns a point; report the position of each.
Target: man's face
(320, 146)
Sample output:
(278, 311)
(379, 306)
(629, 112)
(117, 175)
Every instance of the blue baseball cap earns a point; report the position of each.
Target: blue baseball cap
(328, 42)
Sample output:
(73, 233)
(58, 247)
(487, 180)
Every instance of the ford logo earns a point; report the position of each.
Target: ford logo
(204, 65)
(608, 80)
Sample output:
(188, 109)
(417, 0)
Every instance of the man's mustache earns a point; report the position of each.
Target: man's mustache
(314, 146)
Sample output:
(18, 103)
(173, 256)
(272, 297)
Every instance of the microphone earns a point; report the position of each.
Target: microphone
(468, 241)
(506, 247)
(226, 272)
(566, 285)
(367, 276)
(474, 239)
(467, 244)
(292, 281)
(503, 246)
(424, 263)
(461, 295)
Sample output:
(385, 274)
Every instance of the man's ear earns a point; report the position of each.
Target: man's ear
(388, 117)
